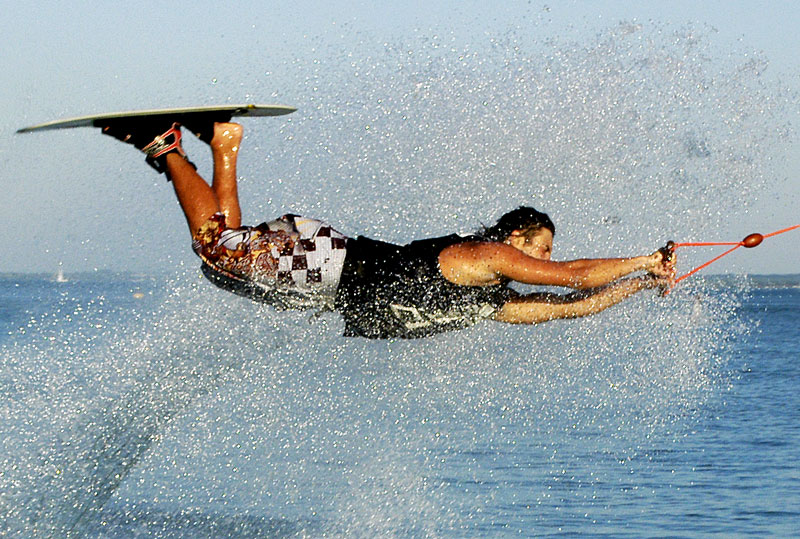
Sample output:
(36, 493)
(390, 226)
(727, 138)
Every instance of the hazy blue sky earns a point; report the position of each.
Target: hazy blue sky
(77, 198)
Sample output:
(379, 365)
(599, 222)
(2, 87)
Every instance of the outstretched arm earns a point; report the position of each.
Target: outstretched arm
(482, 263)
(537, 308)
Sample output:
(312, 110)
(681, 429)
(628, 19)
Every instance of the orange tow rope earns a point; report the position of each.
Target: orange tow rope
(750, 241)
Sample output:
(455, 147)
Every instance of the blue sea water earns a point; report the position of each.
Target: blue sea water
(163, 407)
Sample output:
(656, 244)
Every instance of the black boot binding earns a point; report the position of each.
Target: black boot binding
(144, 137)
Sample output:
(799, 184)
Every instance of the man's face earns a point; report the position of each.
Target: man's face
(537, 244)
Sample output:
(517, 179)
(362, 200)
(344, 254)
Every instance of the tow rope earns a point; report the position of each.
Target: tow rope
(750, 241)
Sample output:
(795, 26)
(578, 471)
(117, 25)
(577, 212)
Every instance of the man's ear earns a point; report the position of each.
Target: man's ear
(513, 235)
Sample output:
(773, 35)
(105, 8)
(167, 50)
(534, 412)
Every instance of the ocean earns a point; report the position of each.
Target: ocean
(161, 407)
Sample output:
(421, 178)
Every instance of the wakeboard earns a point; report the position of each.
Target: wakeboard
(203, 114)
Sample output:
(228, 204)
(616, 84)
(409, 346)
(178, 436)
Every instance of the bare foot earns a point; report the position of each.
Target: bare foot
(227, 138)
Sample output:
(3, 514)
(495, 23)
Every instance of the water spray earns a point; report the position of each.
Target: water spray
(750, 241)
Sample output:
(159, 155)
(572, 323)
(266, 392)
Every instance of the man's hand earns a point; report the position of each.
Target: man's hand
(662, 262)
(663, 269)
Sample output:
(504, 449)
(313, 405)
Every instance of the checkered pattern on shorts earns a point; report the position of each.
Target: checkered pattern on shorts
(295, 261)
(317, 258)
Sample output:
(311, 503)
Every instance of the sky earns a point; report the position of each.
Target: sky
(76, 199)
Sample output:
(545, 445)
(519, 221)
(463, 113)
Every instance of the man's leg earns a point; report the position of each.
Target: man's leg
(198, 201)
(225, 151)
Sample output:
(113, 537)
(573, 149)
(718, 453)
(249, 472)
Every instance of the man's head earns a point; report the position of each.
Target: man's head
(523, 219)
(526, 229)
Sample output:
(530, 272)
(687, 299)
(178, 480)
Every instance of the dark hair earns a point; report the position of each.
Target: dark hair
(523, 218)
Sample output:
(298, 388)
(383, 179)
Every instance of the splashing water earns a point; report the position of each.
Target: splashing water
(444, 137)
(210, 412)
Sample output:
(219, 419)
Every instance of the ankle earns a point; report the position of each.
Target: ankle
(227, 138)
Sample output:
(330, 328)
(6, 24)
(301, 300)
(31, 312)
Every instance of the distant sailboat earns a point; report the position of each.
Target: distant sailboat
(59, 278)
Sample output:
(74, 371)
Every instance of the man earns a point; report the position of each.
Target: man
(382, 290)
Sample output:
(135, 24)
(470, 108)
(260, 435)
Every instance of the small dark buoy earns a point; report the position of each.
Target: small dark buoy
(752, 240)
